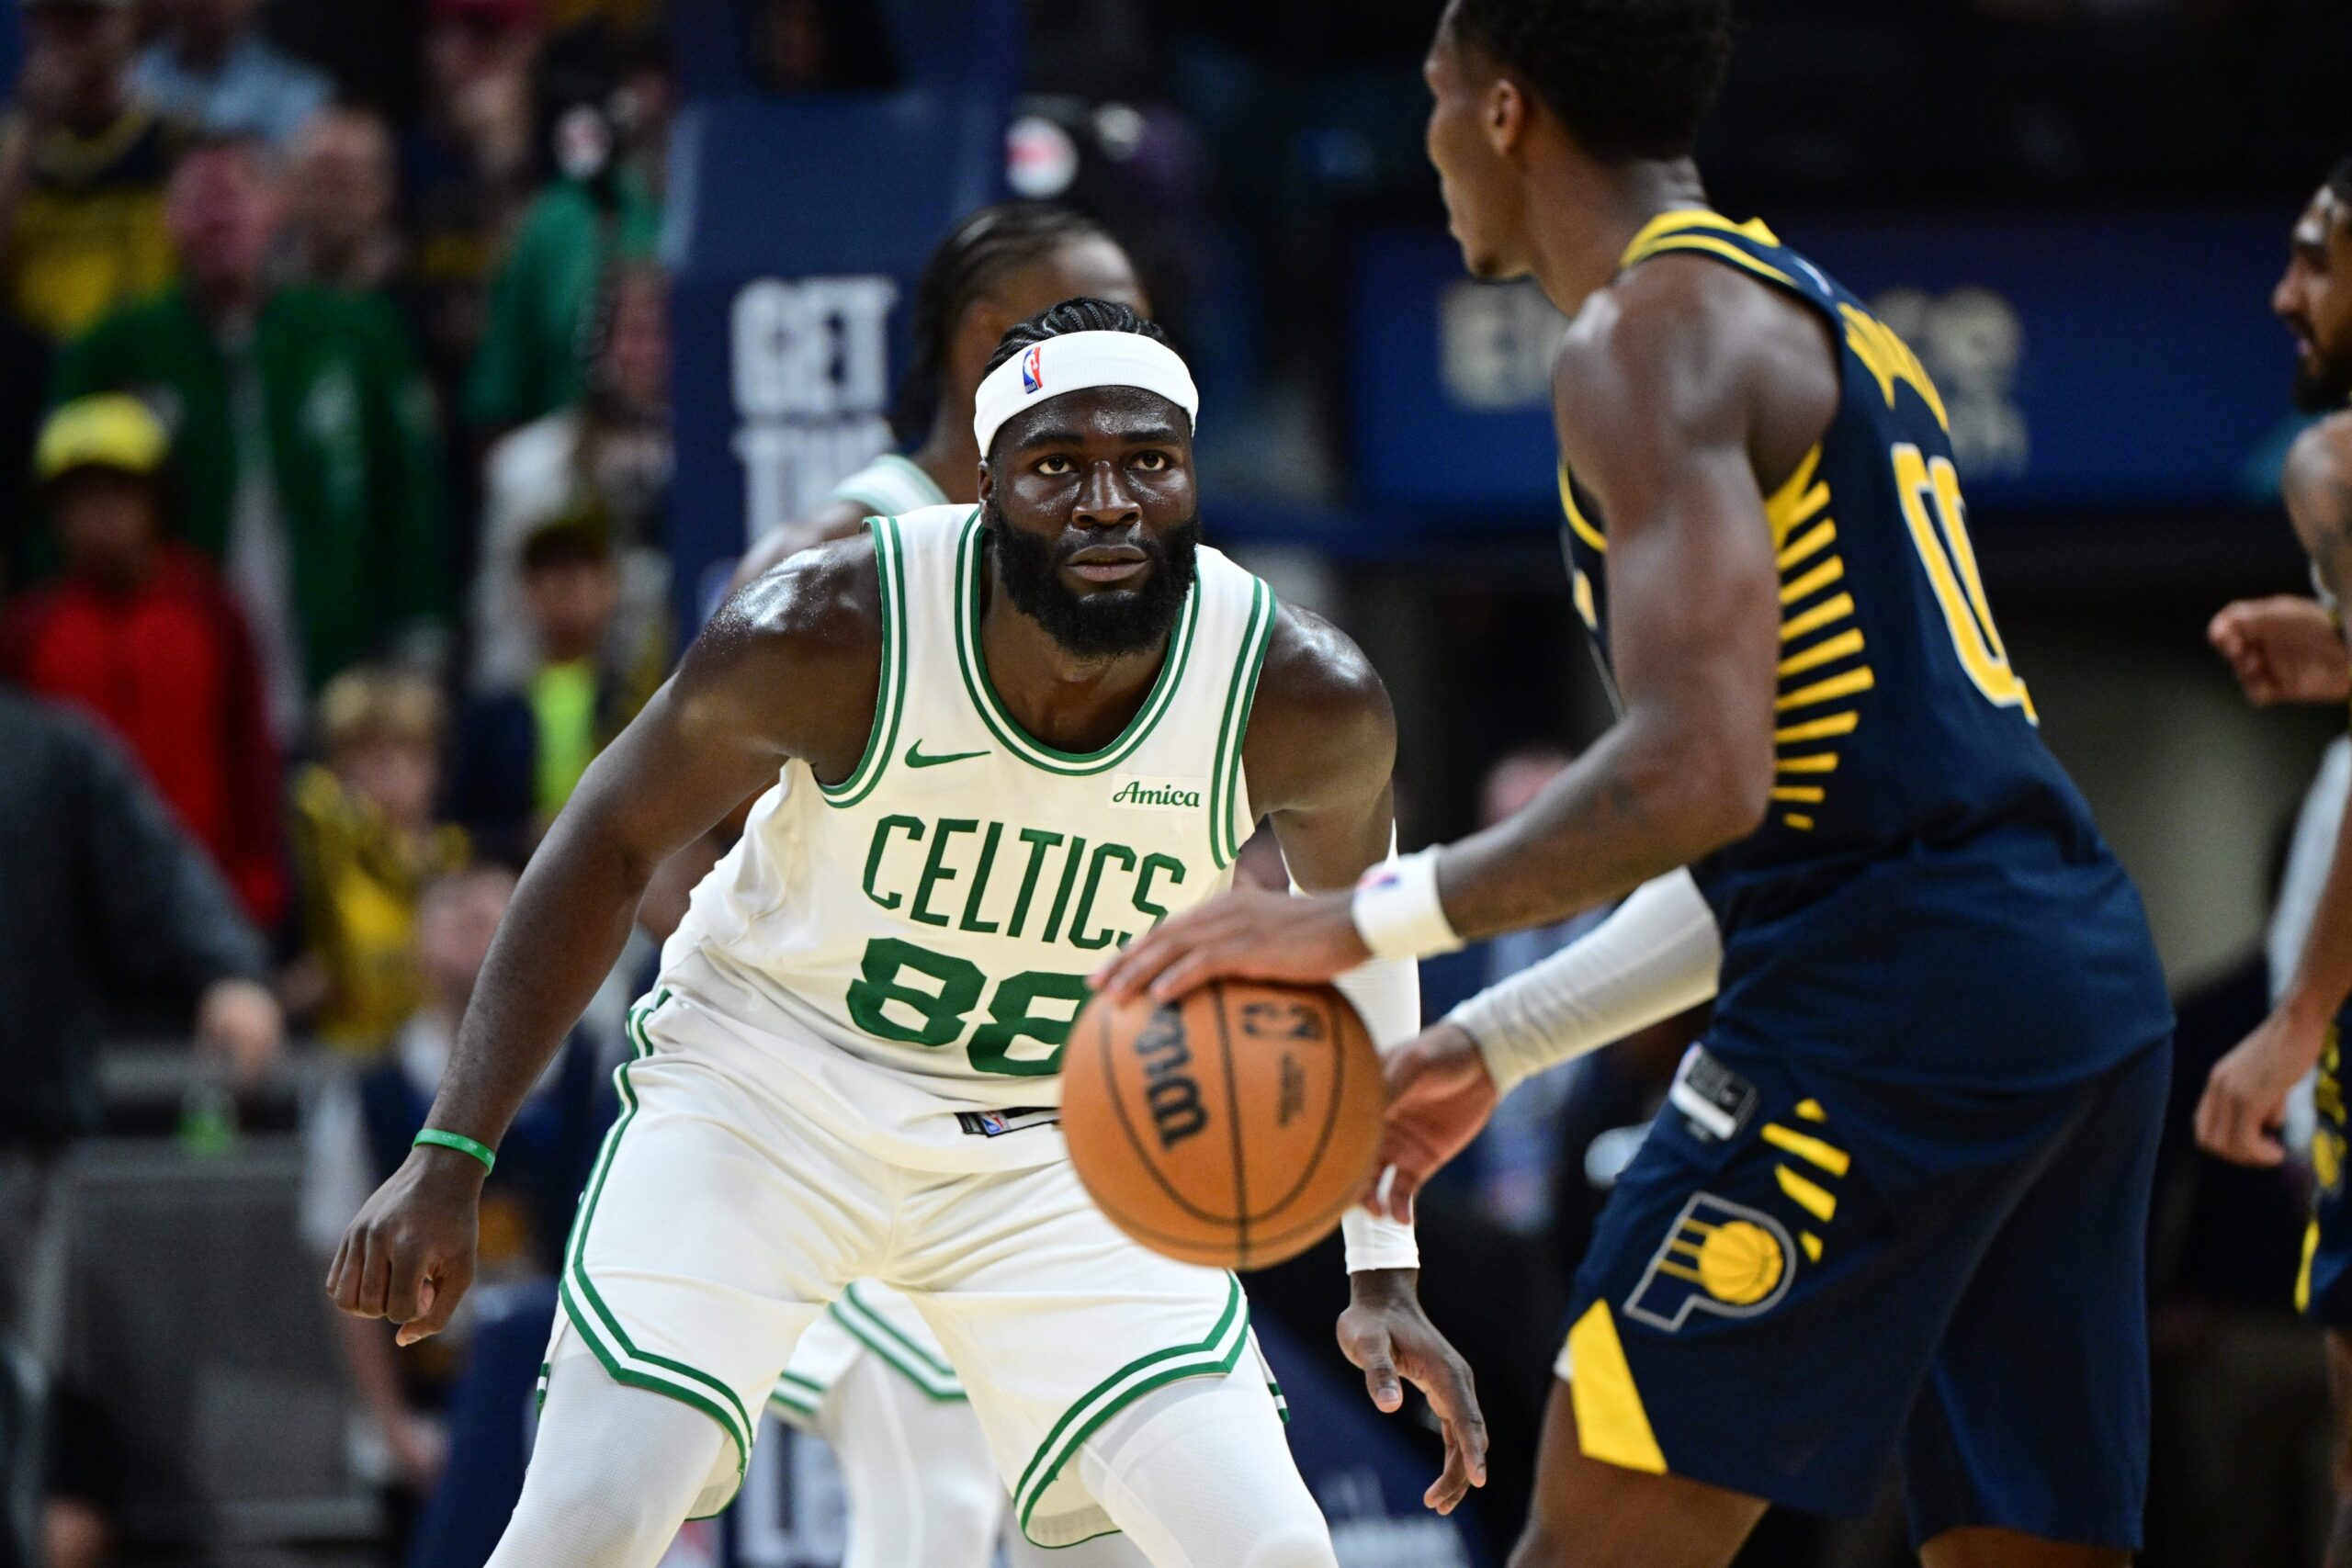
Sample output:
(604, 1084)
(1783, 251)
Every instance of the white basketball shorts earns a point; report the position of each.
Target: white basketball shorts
(734, 1201)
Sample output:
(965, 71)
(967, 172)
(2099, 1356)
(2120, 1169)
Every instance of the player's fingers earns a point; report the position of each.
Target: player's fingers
(374, 1276)
(1125, 977)
(1380, 1379)
(1194, 969)
(1445, 1381)
(1454, 1482)
(437, 1302)
(405, 1280)
(334, 1269)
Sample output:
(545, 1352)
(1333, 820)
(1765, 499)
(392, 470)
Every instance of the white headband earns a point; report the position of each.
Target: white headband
(1073, 363)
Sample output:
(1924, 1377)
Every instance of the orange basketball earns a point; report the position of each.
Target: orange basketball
(1229, 1129)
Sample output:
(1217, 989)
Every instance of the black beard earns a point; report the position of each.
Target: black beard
(1097, 626)
(2330, 388)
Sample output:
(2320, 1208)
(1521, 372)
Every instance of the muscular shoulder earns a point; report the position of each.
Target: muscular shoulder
(797, 654)
(834, 520)
(1682, 350)
(1321, 728)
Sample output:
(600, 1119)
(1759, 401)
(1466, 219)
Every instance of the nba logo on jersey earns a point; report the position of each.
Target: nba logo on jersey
(1719, 1256)
(1032, 369)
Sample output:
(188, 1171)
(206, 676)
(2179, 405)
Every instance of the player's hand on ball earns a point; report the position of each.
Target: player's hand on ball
(410, 1255)
(2245, 1096)
(2284, 649)
(1386, 1333)
(1440, 1095)
(1247, 933)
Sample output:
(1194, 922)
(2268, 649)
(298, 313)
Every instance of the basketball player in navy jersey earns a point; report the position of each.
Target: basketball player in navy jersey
(1897, 1204)
(2292, 649)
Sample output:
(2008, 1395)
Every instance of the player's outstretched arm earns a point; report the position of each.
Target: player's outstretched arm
(1690, 378)
(2246, 1098)
(789, 667)
(1319, 755)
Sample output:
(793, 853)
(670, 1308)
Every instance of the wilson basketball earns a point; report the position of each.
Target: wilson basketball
(1229, 1129)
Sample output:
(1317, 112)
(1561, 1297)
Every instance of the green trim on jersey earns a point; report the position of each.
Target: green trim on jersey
(1214, 1357)
(1001, 723)
(797, 1397)
(890, 694)
(623, 1361)
(911, 1360)
(1224, 782)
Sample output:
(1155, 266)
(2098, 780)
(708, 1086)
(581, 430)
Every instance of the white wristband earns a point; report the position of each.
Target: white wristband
(1375, 1243)
(1397, 911)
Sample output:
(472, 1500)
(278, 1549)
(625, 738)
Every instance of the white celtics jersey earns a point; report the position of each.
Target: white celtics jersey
(936, 911)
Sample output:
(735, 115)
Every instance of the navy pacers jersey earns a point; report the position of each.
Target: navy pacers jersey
(1927, 897)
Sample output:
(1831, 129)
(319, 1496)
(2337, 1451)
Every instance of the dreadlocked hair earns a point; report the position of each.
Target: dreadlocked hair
(1629, 78)
(978, 253)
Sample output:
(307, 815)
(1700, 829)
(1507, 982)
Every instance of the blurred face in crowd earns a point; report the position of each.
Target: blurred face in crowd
(572, 599)
(1478, 118)
(107, 526)
(637, 345)
(792, 43)
(76, 60)
(222, 212)
(399, 774)
(455, 918)
(341, 184)
(476, 73)
(2314, 298)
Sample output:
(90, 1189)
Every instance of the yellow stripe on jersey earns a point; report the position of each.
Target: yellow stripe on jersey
(1798, 499)
(1819, 728)
(1852, 680)
(1813, 541)
(1835, 1161)
(1683, 220)
(1820, 615)
(1810, 1196)
(1827, 650)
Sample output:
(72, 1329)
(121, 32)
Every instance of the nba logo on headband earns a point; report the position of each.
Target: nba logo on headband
(1032, 369)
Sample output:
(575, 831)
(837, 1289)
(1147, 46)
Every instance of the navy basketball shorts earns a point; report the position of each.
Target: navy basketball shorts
(1804, 1273)
(2323, 1288)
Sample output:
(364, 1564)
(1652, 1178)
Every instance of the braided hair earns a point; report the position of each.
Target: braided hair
(1080, 315)
(977, 254)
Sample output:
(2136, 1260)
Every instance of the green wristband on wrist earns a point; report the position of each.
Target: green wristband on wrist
(459, 1142)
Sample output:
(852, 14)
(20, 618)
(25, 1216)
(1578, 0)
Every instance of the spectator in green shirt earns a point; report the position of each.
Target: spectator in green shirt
(607, 209)
(305, 434)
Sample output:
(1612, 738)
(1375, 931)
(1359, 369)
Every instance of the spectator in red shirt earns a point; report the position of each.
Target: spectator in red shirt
(138, 631)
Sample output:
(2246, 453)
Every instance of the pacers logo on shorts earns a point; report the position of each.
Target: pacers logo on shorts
(1722, 1258)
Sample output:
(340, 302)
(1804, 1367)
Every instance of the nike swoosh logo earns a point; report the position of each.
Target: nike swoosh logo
(915, 759)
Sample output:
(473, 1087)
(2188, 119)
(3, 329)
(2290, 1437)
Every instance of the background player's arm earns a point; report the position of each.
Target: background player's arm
(2244, 1100)
(788, 668)
(1319, 755)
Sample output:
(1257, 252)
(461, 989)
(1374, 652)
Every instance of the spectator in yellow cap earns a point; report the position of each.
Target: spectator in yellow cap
(138, 633)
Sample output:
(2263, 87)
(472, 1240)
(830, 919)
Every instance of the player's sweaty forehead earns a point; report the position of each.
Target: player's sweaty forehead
(1105, 417)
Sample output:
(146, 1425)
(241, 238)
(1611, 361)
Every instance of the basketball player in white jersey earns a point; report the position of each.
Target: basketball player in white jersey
(1002, 740)
(869, 1377)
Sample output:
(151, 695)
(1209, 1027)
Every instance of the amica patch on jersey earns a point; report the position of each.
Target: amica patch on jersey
(1133, 791)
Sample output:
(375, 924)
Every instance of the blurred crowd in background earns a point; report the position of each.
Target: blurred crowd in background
(334, 453)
